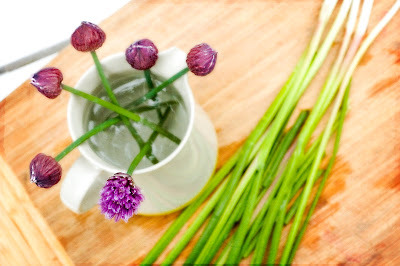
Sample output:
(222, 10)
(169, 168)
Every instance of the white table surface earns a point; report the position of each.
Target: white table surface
(43, 23)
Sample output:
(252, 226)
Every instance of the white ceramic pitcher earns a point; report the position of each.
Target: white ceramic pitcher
(170, 184)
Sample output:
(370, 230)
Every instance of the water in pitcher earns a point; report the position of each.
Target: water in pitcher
(116, 145)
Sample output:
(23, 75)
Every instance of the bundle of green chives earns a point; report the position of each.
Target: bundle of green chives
(270, 180)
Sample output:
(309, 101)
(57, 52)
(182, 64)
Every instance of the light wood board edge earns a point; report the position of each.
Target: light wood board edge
(26, 238)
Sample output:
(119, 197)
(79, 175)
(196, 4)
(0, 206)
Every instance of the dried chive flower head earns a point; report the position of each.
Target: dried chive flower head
(120, 198)
(88, 37)
(142, 54)
(45, 171)
(201, 59)
(48, 82)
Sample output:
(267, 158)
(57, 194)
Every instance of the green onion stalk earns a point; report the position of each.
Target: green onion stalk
(150, 85)
(113, 98)
(285, 110)
(220, 176)
(297, 154)
(235, 252)
(339, 99)
(302, 173)
(123, 112)
(202, 216)
(147, 146)
(241, 164)
(325, 177)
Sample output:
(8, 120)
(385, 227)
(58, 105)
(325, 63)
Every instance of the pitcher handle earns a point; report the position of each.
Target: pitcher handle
(80, 190)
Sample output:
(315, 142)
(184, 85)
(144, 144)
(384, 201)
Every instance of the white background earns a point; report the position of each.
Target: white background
(27, 26)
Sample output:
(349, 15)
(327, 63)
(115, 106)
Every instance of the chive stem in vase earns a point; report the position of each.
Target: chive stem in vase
(147, 147)
(122, 111)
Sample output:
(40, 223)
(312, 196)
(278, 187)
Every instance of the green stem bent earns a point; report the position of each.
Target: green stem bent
(123, 112)
(86, 136)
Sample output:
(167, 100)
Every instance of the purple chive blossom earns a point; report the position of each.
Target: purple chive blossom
(142, 54)
(201, 59)
(48, 82)
(45, 171)
(120, 197)
(88, 37)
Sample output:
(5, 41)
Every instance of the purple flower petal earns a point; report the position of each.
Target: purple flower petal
(142, 54)
(48, 82)
(201, 59)
(120, 198)
(45, 172)
(88, 37)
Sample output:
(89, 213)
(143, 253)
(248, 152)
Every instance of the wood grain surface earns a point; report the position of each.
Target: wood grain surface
(26, 238)
(357, 219)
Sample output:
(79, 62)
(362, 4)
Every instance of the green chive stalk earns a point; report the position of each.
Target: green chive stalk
(276, 235)
(257, 223)
(319, 108)
(241, 164)
(278, 155)
(150, 85)
(261, 220)
(192, 208)
(124, 112)
(346, 80)
(100, 127)
(237, 214)
(251, 240)
(288, 136)
(113, 98)
(149, 81)
(195, 226)
(293, 208)
(147, 147)
(153, 92)
(285, 110)
(171, 257)
(156, 106)
(204, 256)
(223, 256)
(197, 223)
(175, 227)
(235, 252)
(325, 177)
(298, 153)
(147, 108)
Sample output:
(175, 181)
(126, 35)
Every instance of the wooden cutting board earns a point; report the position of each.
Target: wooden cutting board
(357, 219)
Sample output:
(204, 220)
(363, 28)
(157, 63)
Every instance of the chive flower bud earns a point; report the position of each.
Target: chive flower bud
(142, 55)
(45, 171)
(88, 37)
(48, 82)
(120, 197)
(201, 59)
